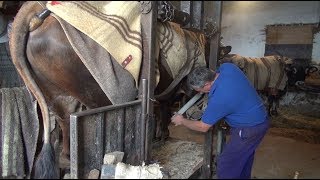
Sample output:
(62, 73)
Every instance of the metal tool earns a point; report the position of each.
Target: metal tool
(190, 103)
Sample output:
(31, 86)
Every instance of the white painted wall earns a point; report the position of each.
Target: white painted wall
(243, 23)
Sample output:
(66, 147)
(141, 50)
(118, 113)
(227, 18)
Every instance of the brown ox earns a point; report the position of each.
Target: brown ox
(57, 78)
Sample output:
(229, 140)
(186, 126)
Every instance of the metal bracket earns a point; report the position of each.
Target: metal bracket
(146, 7)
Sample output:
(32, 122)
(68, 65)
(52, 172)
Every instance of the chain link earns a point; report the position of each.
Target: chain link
(166, 11)
(210, 29)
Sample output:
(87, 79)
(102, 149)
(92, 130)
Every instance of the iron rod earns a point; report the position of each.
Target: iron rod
(74, 169)
(105, 108)
(144, 143)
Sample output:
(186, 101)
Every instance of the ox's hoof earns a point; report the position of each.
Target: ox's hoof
(65, 154)
(64, 161)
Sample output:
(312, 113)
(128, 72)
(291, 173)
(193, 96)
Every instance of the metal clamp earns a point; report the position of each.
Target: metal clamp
(146, 7)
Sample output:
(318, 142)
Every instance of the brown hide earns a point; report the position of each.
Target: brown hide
(57, 68)
(61, 75)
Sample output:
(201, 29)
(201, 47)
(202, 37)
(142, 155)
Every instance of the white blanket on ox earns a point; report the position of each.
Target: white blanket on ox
(264, 72)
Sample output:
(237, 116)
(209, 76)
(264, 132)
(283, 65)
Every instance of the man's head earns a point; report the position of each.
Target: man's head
(200, 79)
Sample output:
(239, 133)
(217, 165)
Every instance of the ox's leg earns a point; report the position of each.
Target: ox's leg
(162, 130)
(165, 119)
(272, 105)
(65, 128)
(166, 113)
(273, 100)
(63, 106)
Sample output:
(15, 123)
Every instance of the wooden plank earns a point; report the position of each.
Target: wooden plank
(302, 34)
(179, 159)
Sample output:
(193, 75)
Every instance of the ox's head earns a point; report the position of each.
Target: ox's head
(299, 70)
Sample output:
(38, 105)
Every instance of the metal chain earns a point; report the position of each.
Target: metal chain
(166, 11)
(210, 29)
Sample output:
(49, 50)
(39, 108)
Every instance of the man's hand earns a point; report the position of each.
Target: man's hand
(177, 119)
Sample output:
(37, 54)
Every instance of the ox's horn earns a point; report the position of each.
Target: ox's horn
(311, 69)
(38, 19)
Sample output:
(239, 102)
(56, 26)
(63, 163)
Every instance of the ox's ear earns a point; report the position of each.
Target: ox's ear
(290, 68)
(286, 60)
(311, 69)
(224, 51)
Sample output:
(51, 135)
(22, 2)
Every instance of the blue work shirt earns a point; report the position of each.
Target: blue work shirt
(233, 98)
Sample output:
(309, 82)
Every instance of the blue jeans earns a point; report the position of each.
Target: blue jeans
(237, 156)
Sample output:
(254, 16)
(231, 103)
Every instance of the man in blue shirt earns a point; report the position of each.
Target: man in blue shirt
(234, 99)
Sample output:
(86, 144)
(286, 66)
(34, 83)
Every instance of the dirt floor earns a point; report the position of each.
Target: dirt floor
(291, 145)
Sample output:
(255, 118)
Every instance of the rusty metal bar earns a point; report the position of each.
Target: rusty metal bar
(74, 143)
(149, 24)
(215, 16)
(74, 173)
(144, 142)
(197, 14)
(104, 109)
(215, 41)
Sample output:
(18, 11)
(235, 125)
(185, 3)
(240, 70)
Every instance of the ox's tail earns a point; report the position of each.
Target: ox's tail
(45, 164)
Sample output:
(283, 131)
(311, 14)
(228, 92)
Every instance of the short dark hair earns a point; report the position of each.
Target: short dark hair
(199, 76)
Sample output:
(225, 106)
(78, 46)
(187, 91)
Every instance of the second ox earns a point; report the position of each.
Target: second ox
(270, 75)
